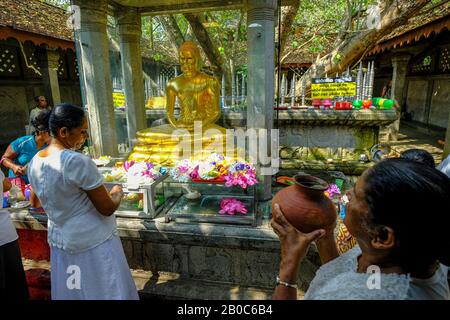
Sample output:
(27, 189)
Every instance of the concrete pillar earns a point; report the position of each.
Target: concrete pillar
(400, 65)
(260, 81)
(49, 61)
(94, 51)
(129, 22)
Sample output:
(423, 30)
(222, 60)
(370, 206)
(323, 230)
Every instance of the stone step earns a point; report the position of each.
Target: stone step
(161, 286)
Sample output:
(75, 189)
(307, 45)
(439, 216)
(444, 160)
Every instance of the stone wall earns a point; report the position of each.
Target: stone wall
(203, 254)
(13, 113)
(440, 103)
(417, 99)
(16, 101)
(192, 261)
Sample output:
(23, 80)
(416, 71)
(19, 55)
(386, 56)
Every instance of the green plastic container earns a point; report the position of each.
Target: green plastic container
(375, 102)
(357, 104)
(388, 104)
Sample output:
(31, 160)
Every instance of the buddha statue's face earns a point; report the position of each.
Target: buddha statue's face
(188, 62)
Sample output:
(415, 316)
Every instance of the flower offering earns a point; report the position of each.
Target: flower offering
(332, 190)
(184, 171)
(216, 167)
(232, 206)
(242, 174)
(135, 173)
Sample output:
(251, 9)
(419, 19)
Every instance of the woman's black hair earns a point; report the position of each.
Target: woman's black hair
(41, 121)
(419, 155)
(65, 115)
(414, 200)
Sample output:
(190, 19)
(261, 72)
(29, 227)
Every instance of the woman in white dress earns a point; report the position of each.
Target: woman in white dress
(398, 213)
(87, 257)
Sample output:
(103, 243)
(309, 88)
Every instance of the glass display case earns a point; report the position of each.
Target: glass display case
(143, 200)
(210, 202)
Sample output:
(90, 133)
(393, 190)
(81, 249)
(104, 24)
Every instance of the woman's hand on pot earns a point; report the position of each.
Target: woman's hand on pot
(294, 243)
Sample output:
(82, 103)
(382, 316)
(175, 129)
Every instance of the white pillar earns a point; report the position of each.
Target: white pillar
(260, 82)
(129, 22)
(49, 67)
(94, 51)
(400, 65)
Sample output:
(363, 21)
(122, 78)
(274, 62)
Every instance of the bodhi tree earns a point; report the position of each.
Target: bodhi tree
(354, 40)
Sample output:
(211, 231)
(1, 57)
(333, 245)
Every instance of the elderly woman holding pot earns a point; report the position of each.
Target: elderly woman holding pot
(393, 212)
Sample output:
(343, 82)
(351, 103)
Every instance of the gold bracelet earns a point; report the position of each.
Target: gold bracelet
(286, 284)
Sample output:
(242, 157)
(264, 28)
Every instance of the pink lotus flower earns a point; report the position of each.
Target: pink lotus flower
(128, 164)
(194, 174)
(232, 206)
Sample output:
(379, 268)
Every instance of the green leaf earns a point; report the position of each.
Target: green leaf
(337, 57)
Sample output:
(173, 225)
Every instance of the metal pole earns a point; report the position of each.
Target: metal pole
(232, 90)
(303, 91)
(223, 91)
(283, 91)
(293, 91)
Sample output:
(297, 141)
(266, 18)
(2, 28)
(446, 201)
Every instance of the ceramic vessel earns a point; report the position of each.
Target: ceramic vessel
(305, 205)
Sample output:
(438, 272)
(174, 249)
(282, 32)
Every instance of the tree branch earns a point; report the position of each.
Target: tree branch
(173, 31)
(303, 44)
(210, 50)
(358, 43)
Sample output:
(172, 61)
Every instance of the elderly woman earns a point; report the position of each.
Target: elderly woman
(87, 258)
(20, 152)
(394, 210)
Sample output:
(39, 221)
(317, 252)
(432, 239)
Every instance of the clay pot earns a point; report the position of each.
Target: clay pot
(305, 205)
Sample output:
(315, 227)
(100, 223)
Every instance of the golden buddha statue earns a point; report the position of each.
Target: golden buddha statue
(198, 95)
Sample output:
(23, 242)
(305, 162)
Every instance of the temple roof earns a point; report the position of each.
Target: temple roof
(429, 20)
(41, 23)
(36, 17)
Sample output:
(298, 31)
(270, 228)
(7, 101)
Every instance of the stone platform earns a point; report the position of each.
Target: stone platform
(313, 138)
(193, 261)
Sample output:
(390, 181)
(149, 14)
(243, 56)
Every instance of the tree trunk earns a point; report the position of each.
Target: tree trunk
(212, 53)
(357, 44)
(175, 35)
(288, 16)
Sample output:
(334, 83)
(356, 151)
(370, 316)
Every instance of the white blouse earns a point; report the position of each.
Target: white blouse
(339, 280)
(60, 181)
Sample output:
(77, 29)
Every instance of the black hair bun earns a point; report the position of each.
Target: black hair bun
(40, 122)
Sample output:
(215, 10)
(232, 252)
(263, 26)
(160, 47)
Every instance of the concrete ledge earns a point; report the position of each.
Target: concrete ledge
(348, 167)
(363, 117)
(366, 117)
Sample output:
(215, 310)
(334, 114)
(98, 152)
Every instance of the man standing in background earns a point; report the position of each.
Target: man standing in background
(41, 104)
